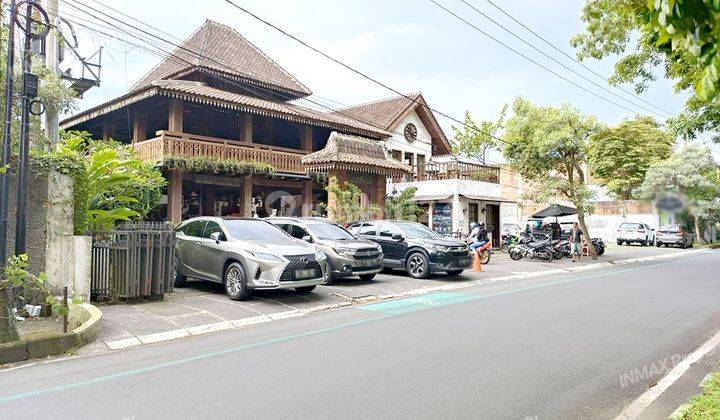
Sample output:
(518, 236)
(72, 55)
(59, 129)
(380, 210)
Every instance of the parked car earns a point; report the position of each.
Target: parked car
(347, 254)
(674, 235)
(413, 247)
(640, 233)
(245, 254)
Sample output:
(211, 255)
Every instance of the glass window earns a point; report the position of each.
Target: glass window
(417, 231)
(212, 227)
(297, 232)
(630, 226)
(330, 231)
(248, 230)
(367, 229)
(387, 230)
(194, 228)
(283, 226)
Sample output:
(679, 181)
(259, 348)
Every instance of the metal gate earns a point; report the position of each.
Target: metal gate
(133, 261)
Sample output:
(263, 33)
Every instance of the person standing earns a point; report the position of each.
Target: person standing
(576, 241)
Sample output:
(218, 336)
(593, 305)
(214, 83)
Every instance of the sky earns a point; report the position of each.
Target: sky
(410, 45)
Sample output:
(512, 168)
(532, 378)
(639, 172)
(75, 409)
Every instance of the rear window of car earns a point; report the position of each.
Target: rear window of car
(670, 228)
(630, 226)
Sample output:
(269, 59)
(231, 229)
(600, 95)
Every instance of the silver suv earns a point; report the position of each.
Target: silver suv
(245, 254)
(347, 254)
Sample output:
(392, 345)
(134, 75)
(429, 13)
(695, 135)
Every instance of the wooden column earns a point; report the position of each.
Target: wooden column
(306, 139)
(139, 132)
(380, 192)
(107, 130)
(208, 201)
(307, 196)
(246, 196)
(246, 128)
(174, 196)
(335, 177)
(175, 116)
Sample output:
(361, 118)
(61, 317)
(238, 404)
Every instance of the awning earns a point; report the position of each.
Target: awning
(431, 197)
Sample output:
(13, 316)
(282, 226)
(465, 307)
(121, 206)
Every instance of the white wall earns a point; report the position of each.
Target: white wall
(421, 146)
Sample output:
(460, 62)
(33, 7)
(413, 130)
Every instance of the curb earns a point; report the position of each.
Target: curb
(87, 314)
(261, 319)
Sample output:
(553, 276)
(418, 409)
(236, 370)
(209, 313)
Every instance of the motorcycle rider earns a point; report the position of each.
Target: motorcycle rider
(478, 236)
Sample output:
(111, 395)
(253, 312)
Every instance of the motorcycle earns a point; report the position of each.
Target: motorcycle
(542, 250)
(485, 251)
(509, 241)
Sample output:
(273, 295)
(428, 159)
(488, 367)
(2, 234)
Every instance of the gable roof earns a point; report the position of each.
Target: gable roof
(354, 153)
(388, 113)
(222, 49)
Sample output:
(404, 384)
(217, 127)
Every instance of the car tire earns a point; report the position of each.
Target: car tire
(306, 289)
(178, 279)
(619, 243)
(330, 279)
(366, 277)
(454, 272)
(658, 244)
(417, 265)
(643, 243)
(235, 282)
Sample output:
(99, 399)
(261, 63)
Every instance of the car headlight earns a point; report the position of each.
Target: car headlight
(441, 248)
(266, 257)
(344, 251)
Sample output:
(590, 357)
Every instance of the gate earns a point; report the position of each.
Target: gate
(133, 261)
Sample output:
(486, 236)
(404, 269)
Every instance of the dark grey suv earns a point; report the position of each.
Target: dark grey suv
(347, 254)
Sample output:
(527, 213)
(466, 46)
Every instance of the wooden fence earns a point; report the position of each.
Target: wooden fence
(133, 261)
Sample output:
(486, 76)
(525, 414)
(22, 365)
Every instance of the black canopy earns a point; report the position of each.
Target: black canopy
(555, 210)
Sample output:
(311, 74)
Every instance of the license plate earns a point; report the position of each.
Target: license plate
(463, 261)
(305, 274)
(365, 263)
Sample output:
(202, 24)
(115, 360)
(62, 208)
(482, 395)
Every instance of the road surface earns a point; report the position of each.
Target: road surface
(581, 345)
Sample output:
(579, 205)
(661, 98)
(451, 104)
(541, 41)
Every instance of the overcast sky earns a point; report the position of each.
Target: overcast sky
(411, 45)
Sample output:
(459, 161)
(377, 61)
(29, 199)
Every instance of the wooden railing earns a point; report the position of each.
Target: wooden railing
(190, 145)
(452, 170)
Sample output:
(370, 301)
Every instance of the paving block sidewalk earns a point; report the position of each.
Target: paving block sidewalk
(203, 307)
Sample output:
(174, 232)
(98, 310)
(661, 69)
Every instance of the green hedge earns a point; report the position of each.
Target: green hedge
(208, 165)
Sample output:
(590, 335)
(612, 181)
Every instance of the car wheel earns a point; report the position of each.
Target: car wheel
(178, 279)
(417, 265)
(330, 279)
(643, 243)
(306, 289)
(619, 243)
(454, 272)
(236, 282)
(658, 244)
(367, 277)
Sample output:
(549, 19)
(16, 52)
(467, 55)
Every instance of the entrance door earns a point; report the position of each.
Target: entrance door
(493, 222)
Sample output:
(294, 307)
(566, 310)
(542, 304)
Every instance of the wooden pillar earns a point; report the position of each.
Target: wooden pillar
(139, 132)
(307, 143)
(380, 192)
(246, 196)
(175, 116)
(208, 201)
(335, 177)
(307, 197)
(107, 130)
(246, 128)
(174, 196)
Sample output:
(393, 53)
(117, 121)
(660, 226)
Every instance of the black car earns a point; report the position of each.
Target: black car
(413, 247)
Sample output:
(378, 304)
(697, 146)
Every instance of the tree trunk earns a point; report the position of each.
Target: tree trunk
(586, 234)
(8, 331)
(699, 237)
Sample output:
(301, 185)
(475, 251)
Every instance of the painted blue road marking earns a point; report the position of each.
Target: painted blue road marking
(417, 303)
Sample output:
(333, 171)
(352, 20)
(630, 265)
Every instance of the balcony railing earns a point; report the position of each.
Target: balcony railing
(190, 145)
(452, 170)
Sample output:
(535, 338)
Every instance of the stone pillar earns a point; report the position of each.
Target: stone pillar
(335, 177)
(174, 196)
(175, 116)
(457, 214)
(246, 196)
(307, 143)
(380, 193)
(307, 196)
(431, 210)
(246, 128)
(139, 132)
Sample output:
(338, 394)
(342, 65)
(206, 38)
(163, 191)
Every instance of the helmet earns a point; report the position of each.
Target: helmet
(473, 225)
(482, 225)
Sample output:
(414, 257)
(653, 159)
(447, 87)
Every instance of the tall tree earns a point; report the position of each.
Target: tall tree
(679, 37)
(619, 156)
(475, 141)
(548, 147)
(691, 173)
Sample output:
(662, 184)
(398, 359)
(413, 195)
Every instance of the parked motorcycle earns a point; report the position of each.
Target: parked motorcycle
(542, 250)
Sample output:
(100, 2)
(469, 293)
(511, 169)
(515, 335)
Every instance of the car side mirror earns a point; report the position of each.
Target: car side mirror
(216, 236)
(307, 238)
(397, 236)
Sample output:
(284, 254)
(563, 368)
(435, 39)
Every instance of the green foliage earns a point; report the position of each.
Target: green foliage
(209, 165)
(473, 141)
(706, 405)
(679, 36)
(619, 156)
(402, 206)
(348, 206)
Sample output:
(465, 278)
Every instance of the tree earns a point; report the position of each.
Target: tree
(619, 156)
(692, 174)
(679, 36)
(548, 147)
(473, 141)
(402, 205)
(347, 206)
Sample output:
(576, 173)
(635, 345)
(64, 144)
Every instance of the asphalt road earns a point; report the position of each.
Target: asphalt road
(554, 347)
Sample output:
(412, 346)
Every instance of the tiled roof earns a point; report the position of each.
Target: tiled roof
(388, 113)
(223, 49)
(354, 153)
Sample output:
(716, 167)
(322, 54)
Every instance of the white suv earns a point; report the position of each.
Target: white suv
(635, 232)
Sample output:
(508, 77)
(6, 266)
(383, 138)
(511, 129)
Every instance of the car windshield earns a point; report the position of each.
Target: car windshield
(330, 231)
(249, 230)
(630, 226)
(417, 231)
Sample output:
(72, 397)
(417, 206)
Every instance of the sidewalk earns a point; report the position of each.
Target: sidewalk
(202, 307)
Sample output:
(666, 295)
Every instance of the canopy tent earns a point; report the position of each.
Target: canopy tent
(555, 210)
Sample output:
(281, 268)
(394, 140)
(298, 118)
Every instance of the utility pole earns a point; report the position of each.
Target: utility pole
(7, 134)
(52, 61)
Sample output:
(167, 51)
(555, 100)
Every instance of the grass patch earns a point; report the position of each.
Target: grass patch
(707, 405)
